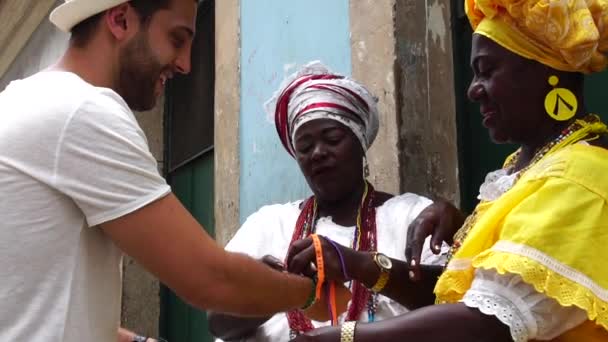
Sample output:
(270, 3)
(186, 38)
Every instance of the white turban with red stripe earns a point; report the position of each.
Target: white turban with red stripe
(313, 93)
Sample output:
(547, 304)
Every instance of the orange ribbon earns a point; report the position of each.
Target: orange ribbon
(316, 241)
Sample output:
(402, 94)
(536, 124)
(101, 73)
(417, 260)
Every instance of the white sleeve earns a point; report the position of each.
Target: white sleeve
(265, 232)
(393, 219)
(529, 314)
(103, 162)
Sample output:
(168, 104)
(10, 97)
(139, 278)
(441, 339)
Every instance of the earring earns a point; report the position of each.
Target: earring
(560, 103)
(365, 168)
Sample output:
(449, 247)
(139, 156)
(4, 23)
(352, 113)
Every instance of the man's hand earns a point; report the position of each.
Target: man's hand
(125, 335)
(440, 220)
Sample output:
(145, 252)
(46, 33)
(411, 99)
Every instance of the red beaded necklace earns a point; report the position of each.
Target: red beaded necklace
(365, 239)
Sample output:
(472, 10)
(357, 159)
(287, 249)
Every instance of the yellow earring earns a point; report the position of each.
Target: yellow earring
(560, 103)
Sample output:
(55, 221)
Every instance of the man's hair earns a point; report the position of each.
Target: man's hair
(83, 31)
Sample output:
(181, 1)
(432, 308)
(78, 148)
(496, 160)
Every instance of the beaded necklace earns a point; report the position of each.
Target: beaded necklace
(577, 131)
(364, 239)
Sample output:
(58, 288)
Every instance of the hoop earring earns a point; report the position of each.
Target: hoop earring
(560, 103)
(365, 168)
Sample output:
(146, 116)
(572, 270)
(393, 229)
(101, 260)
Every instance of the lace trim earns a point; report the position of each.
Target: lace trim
(521, 295)
(453, 284)
(496, 184)
(459, 264)
(553, 265)
(565, 291)
(501, 308)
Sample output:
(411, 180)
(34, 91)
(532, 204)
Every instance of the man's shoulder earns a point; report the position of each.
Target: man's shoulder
(57, 93)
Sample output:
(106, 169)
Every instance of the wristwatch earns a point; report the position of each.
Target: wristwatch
(138, 338)
(385, 264)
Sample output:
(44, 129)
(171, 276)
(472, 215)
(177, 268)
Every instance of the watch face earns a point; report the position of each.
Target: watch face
(384, 261)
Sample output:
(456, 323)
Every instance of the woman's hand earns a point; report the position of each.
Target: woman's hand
(326, 334)
(440, 220)
(302, 254)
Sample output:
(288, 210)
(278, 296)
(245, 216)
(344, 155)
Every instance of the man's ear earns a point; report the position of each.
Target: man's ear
(122, 21)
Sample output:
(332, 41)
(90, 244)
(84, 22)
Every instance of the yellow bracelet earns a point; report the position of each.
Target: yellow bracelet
(381, 283)
(347, 332)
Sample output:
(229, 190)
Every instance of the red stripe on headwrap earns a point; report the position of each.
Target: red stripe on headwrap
(281, 111)
(355, 95)
(325, 105)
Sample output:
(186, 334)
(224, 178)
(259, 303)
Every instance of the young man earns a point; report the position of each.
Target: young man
(79, 186)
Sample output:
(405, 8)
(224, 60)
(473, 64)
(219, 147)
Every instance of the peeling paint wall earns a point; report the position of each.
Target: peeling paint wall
(227, 107)
(427, 118)
(44, 47)
(18, 20)
(276, 37)
(373, 60)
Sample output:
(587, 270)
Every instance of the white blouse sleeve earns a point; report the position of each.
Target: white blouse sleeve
(393, 219)
(529, 314)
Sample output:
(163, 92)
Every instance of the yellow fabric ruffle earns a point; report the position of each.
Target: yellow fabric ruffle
(568, 35)
(551, 228)
(566, 291)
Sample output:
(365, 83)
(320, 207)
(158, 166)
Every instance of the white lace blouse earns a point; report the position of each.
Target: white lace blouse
(529, 314)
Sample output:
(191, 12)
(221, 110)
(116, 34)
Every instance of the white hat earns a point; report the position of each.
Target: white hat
(73, 12)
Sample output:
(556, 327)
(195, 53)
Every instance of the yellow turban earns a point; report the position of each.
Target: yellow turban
(568, 35)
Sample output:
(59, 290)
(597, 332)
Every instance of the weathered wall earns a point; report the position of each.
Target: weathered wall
(373, 63)
(140, 307)
(43, 48)
(227, 107)
(18, 20)
(276, 37)
(427, 117)
(141, 290)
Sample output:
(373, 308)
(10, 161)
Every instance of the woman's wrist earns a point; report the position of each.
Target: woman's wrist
(361, 267)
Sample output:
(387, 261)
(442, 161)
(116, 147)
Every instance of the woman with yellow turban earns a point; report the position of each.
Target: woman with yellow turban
(528, 264)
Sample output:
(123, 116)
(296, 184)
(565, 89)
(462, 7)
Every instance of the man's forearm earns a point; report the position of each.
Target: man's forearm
(247, 287)
(171, 244)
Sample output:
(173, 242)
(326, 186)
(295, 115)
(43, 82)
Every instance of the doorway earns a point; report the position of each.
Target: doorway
(189, 122)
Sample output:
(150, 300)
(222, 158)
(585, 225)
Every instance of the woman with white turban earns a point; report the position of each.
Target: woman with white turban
(327, 122)
(529, 262)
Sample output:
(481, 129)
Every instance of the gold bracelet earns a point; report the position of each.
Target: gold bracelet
(347, 332)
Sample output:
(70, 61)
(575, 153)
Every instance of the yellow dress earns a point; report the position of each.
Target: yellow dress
(551, 228)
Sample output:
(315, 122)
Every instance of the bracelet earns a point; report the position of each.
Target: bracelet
(347, 332)
(316, 241)
(313, 294)
(342, 263)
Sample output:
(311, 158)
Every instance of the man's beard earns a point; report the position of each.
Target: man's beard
(139, 72)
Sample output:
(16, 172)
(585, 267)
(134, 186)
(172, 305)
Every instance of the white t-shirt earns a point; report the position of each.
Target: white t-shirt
(72, 156)
(269, 232)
